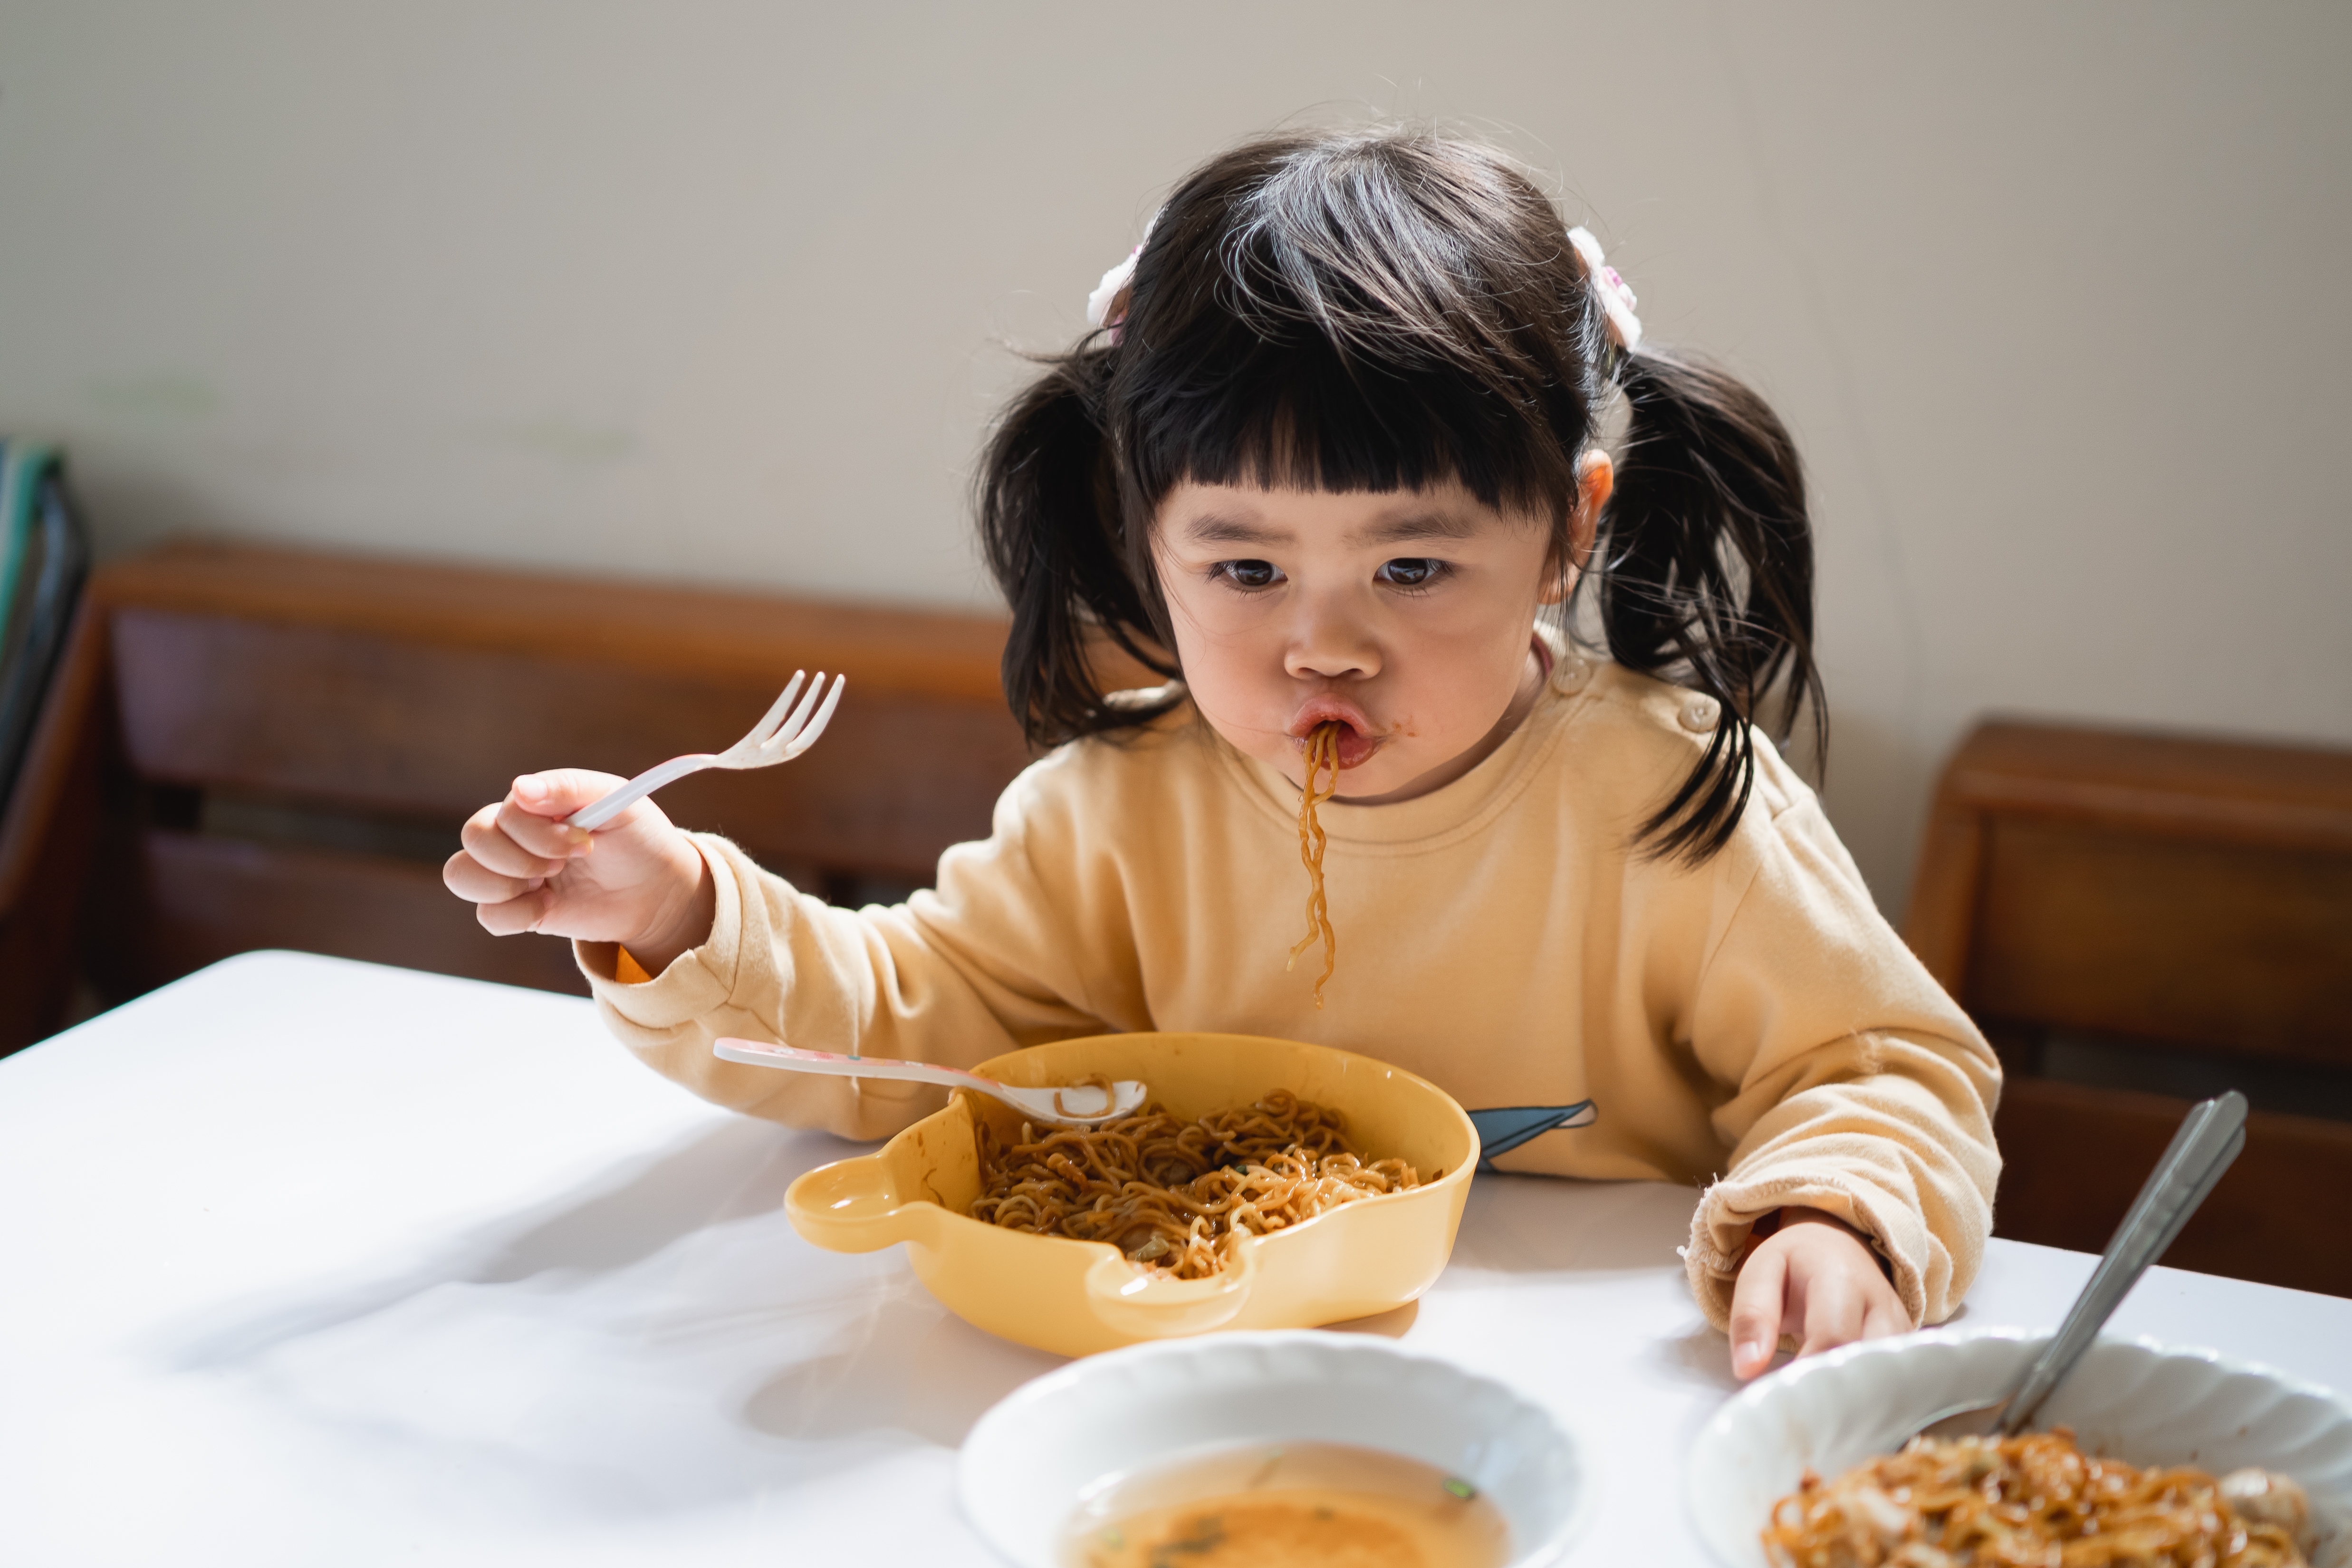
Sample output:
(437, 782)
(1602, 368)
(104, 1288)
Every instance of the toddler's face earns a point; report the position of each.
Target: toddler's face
(1405, 616)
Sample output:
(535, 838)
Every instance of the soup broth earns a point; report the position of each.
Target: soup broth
(1298, 1505)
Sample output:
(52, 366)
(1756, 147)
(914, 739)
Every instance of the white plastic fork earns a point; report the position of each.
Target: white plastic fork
(774, 739)
(1075, 1105)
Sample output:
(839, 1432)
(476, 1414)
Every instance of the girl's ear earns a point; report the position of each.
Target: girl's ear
(1596, 478)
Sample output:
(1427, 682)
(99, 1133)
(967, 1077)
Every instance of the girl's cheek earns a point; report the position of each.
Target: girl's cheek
(1193, 603)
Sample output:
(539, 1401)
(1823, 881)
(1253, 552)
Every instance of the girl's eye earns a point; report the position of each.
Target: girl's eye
(1411, 572)
(1249, 573)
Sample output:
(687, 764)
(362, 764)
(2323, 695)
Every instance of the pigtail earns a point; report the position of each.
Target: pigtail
(1706, 577)
(1047, 500)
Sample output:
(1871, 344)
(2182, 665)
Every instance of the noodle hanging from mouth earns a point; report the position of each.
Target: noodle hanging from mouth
(1172, 1195)
(1322, 751)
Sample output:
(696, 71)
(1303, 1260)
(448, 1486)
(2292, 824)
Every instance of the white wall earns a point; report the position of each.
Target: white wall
(2054, 297)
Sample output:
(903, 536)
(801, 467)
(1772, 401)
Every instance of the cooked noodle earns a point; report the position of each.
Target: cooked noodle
(1171, 1193)
(1322, 751)
(2035, 1502)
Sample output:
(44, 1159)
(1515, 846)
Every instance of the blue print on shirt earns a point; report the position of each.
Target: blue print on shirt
(1504, 1129)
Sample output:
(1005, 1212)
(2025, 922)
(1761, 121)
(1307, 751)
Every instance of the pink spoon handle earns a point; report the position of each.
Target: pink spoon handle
(797, 1060)
(1045, 1105)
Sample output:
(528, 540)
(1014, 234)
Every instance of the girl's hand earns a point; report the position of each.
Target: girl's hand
(1816, 1280)
(637, 880)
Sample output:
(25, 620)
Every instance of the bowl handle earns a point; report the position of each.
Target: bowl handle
(1153, 1307)
(851, 1205)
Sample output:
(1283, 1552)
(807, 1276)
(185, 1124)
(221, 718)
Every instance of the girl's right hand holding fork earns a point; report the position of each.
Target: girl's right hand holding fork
(637, 880)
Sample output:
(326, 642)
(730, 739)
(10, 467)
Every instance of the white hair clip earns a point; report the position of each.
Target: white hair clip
(1099, 302)
(1615, 296)
(1114, 283)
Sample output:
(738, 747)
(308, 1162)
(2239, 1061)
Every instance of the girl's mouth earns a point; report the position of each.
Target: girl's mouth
(1355, 748)
(1355, 741)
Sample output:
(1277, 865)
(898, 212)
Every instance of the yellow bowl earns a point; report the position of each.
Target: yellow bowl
(1074, 1298)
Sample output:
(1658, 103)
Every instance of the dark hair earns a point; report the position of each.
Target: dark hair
(1389, 310)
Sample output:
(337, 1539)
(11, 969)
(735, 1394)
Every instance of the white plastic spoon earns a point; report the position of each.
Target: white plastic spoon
(1080, 1105)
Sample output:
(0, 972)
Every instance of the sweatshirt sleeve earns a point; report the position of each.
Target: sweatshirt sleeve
(1858, 1087)
(977, 968)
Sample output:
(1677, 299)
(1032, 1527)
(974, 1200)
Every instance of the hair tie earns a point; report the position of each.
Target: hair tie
(1108, 294)
(1614, 295)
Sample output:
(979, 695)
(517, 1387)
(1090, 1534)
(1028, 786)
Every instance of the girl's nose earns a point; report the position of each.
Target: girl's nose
(1331, 643)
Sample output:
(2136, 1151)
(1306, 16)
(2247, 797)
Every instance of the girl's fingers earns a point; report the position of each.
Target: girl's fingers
(1833, 1315)
(1756, 1305)
(558, 791)
(514, 847)
(1881, 1319)
(489, 844)
(516, 915)
(478, 884)
(545, 836)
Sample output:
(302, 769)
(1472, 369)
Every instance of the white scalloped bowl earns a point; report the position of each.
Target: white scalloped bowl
(2133, 1399)
(1022, 1469)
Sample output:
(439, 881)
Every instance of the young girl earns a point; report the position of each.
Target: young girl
(1336, 446)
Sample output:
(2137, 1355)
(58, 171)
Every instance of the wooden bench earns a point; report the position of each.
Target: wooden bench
(252, 747)
(2140, 920)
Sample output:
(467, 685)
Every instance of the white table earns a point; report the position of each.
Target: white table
(304, 1261)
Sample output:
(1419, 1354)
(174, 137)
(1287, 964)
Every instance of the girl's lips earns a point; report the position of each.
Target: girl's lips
(1357, 741)
(1356, 748)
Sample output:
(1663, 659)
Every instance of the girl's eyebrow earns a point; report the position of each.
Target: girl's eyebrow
(1215, 529)
(1415, 526)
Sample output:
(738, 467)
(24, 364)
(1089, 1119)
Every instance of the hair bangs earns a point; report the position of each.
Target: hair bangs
(1303, 416)
(1355, 314)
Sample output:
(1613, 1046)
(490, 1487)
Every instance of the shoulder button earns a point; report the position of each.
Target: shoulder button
(1570, 674)
(1699, 714)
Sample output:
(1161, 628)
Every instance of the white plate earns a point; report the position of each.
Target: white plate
(2132, 1399)
(1026, 1463)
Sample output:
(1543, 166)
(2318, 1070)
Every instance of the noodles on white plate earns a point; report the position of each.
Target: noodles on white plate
(2034, 1502)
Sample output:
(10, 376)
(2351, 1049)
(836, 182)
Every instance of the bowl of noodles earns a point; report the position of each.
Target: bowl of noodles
(1266, 1184)
(2146, 1453)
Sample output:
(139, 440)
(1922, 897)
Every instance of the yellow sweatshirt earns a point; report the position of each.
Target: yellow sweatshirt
(1750, 1021)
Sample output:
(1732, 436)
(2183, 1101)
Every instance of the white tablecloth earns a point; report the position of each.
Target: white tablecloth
(304, 1261)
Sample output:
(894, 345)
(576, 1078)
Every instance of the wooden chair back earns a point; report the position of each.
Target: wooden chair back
(2165, 908)
(286, 744)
